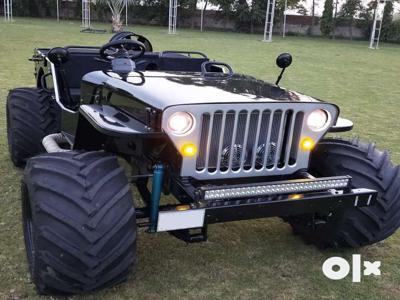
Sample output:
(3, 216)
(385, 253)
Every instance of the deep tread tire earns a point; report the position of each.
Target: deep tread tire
(79, 222)
(31, 115)
(369, 168)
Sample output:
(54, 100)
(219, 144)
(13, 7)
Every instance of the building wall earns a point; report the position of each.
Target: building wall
(295, 25)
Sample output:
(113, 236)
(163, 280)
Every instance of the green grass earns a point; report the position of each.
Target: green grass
(247, 260)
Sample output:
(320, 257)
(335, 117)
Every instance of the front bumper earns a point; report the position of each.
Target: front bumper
(322, 195)
(291, 205)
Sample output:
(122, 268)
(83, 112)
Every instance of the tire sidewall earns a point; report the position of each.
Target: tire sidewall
(29, 233)
(42, 266)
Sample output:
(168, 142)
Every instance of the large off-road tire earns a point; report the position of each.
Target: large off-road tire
(31, 115)
(79, 222)
(358, 226)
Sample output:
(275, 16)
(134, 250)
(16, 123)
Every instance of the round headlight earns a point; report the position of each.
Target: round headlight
(180, 123)
(317, 119)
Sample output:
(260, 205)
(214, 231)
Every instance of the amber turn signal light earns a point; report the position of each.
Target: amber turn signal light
(182, 207)
(307, 144)
(189, 149)
(295, 196)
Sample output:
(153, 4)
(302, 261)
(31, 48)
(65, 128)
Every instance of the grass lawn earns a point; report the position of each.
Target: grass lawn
(248, 260)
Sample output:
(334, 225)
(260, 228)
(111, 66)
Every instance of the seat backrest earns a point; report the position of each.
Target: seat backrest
(82, 61)
(182, 64)
(182, 61)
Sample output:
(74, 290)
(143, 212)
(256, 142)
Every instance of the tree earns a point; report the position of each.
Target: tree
(327, 18)
(203, 10)
(192, 10)
(248, 14)
(116, 7)
(387, 19)
(301, 9)
(243, 15)
(335, 14)
(257, 14)
(226, 7)
(366, 17)
(291, 5)
(348, 12)
(311, 28)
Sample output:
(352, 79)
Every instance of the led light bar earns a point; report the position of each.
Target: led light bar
(288, 187)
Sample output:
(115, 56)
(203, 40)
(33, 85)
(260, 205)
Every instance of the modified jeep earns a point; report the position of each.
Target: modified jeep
(227, 146)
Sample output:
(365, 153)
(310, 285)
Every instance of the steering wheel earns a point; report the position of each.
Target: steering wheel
(122, 49)
(128, 35)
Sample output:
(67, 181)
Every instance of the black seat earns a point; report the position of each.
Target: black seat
(182, 61)
(82, 60)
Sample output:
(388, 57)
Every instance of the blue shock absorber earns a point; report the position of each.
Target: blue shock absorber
(158, 176)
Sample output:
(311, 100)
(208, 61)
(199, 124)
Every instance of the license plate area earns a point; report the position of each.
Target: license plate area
(175, 220)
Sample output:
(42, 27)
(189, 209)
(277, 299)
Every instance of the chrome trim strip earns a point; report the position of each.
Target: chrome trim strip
(235, 123)
(210, 130)
(254, 158)
(280, 139)
(268, 141)
(246, 135)
(290, 138)
(55, 85)
(356, 201)
(221, 140)
(103, 116)
(369, 200)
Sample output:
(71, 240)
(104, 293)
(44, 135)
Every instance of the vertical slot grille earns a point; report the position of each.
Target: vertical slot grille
(294, 147)
(214, 141)
(201, 158)
(248, 139)
(253, 132)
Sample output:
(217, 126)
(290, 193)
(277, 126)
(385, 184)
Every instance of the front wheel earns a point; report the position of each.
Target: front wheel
(358, 226)
(79, 222)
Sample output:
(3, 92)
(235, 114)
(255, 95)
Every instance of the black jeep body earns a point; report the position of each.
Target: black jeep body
(124, 115)
(251, 149)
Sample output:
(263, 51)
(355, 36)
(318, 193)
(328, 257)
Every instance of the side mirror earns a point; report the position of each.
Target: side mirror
(284, 60)
(58, 55)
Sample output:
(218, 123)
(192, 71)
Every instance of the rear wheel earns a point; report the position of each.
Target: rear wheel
(79, 222)
(31, 115)
(358, 226)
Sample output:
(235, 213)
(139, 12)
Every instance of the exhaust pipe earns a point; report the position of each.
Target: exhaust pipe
(51, 142)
